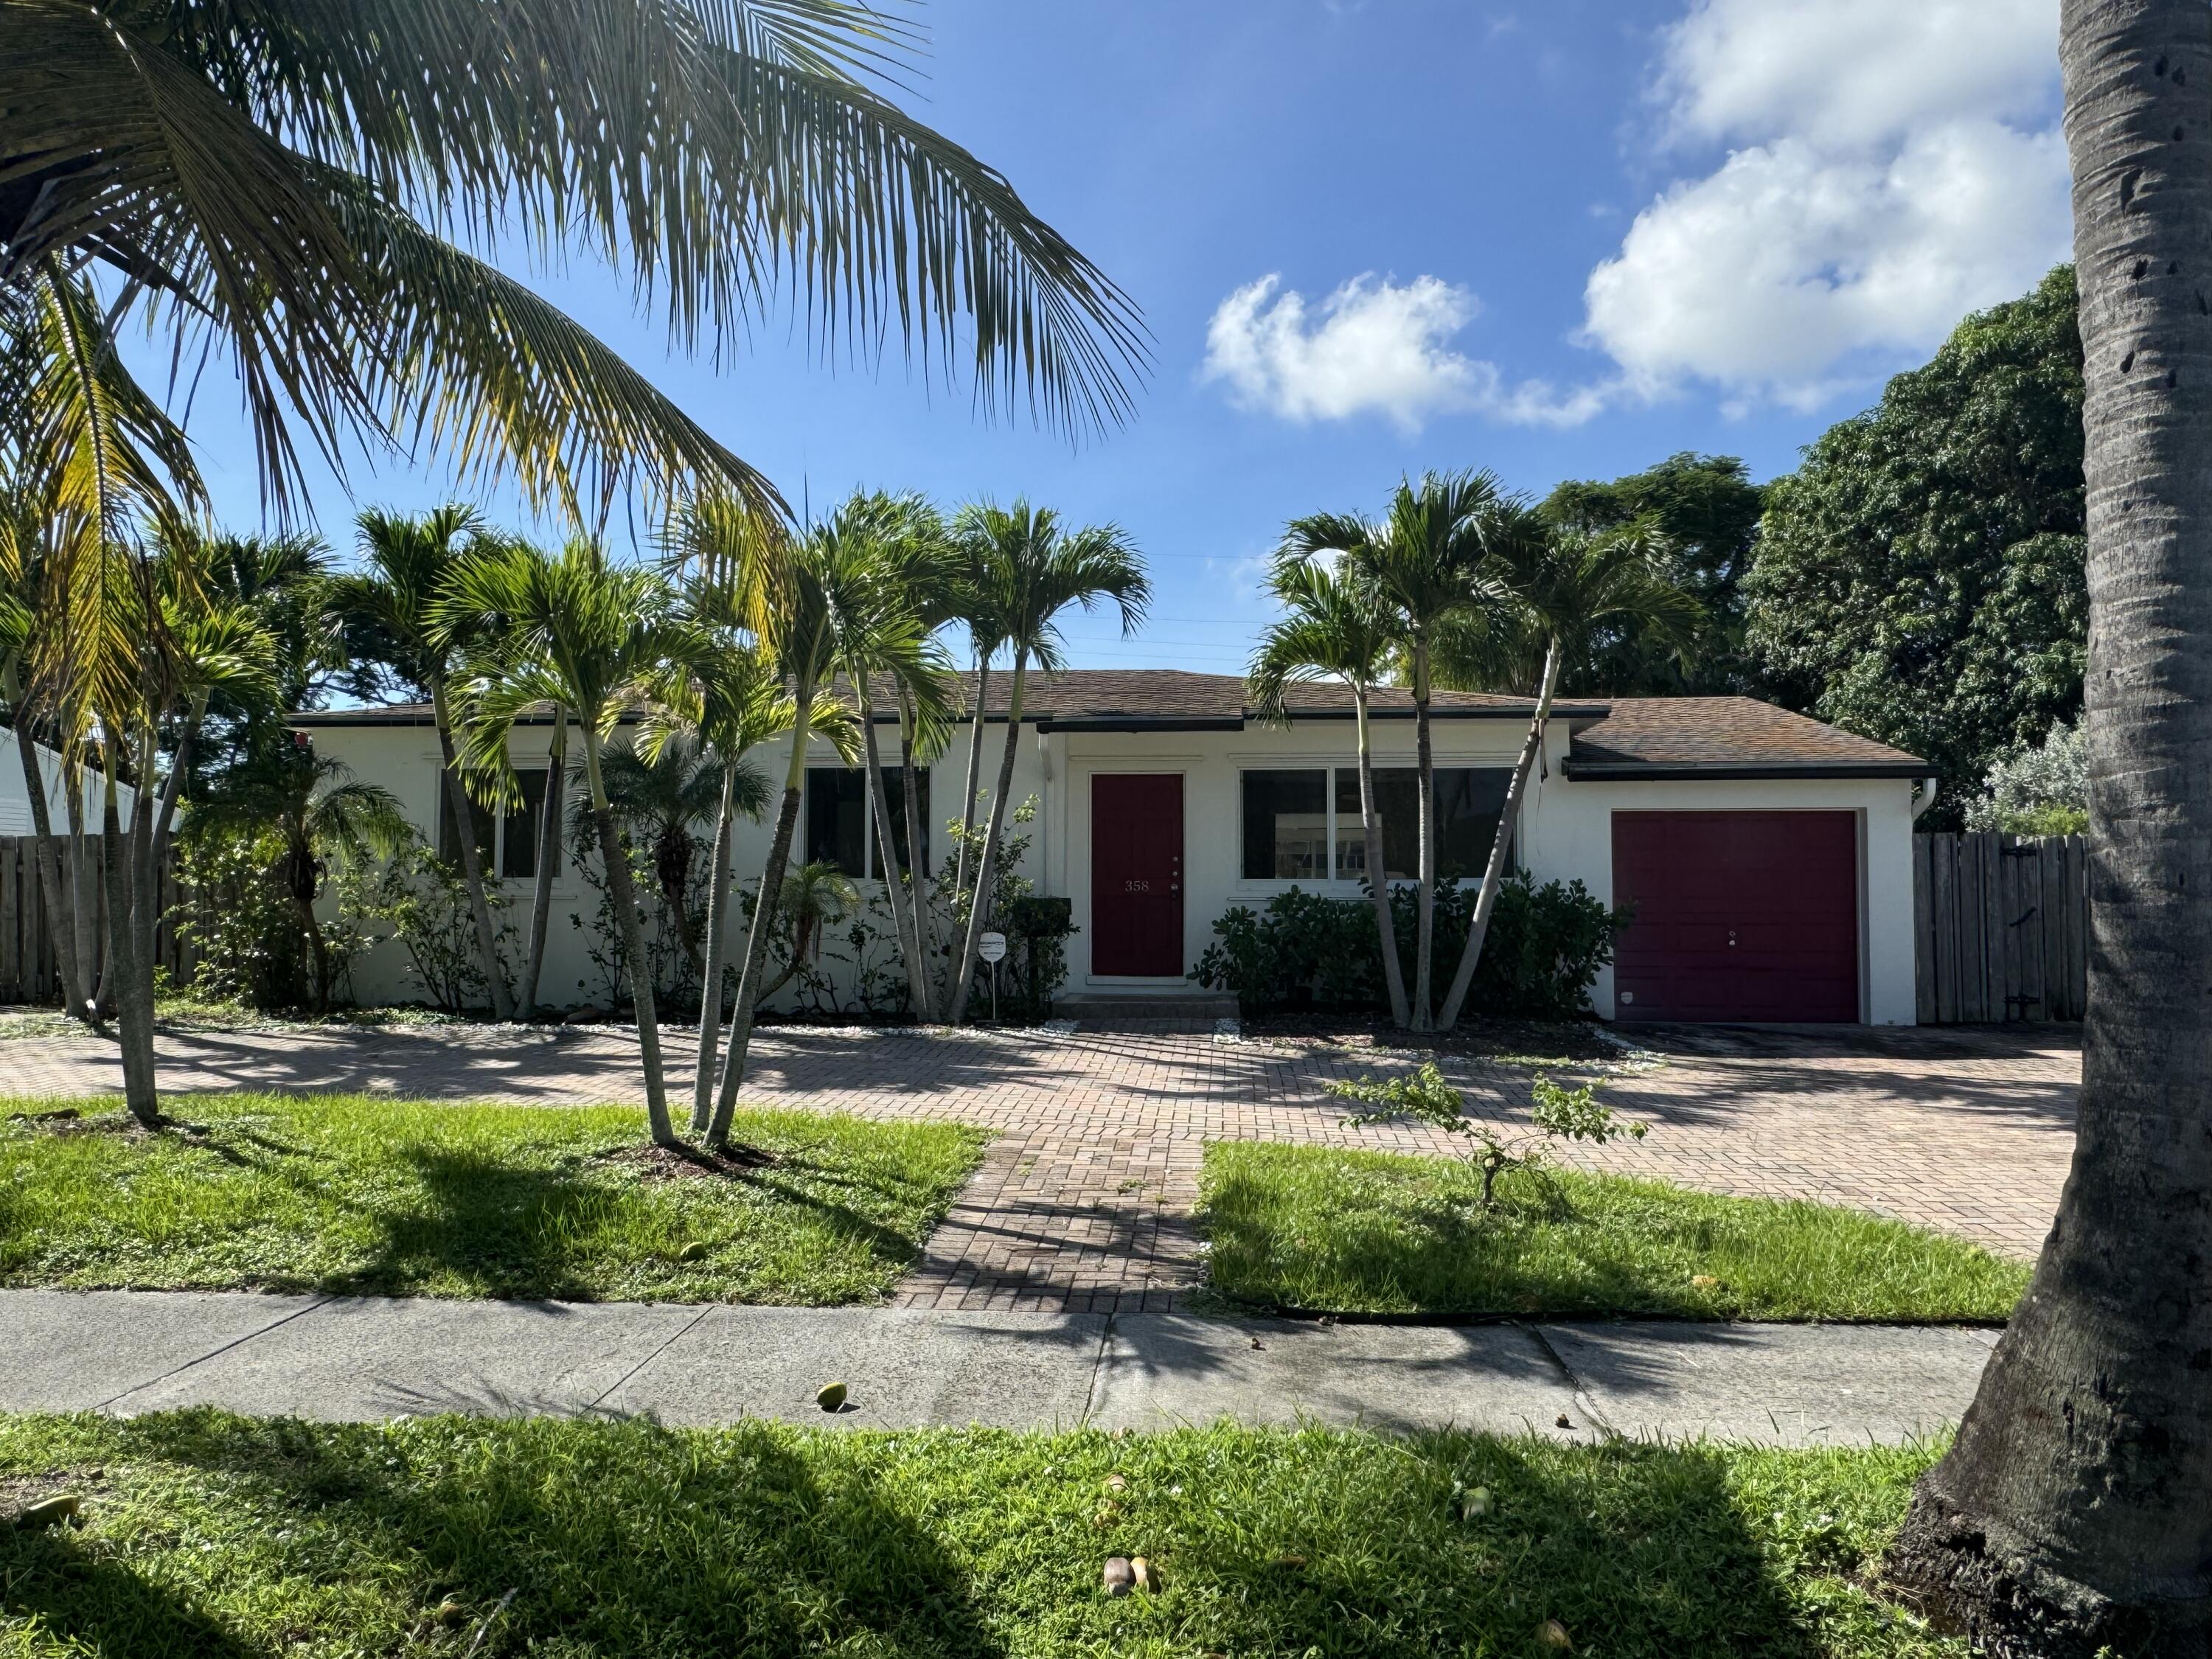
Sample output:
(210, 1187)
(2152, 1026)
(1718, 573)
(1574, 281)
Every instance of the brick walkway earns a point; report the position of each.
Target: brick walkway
(1084, 1200)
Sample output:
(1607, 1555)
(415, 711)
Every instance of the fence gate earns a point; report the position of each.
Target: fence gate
(2001, 927)
(29, 969)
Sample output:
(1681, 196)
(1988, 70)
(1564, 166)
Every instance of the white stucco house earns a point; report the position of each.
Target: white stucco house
(1769, 857)
(16, 818)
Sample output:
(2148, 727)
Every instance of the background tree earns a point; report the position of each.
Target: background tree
(1919, 578)
(2073, 1513)
(397, 614)
(1335, 627)
(1424, 558)
(1037, 570)
(663, 787)
(1703, 513)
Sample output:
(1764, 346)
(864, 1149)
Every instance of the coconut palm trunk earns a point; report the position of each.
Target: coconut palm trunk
(472, 875)
(1493, 873)
(1378, 879)
(917, 851)
(902, 918)
(621, 889)
(718, 950)
(979, 909)
(2073, 1513)
(133, 993)
(974, 776)
(60, 926)
(88, 895)
(548, 853)
(771, 888)
(1425, 766)
(180, 763)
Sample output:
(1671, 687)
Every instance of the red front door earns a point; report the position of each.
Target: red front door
(1739, 915)
(1136, 874)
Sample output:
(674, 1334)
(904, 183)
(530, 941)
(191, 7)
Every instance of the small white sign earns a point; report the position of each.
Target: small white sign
(991, 947)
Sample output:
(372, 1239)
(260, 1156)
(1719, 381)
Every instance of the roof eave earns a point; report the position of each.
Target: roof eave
(1739, 771)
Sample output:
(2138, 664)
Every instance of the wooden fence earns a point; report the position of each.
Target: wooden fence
(2001, 926)
(27, 970)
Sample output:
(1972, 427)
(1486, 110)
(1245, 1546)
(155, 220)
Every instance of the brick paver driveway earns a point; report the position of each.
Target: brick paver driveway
(1083, 1200)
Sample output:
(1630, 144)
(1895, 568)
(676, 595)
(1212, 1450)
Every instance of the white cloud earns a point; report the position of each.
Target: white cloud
(1895, 166)
(1373, 346)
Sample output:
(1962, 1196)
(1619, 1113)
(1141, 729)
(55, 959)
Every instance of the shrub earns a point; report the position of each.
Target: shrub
(2037, 792)
(1542, 954)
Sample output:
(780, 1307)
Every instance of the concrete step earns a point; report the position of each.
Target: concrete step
(1165, 1010)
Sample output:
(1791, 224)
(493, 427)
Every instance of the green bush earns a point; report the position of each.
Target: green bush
(1301, 950)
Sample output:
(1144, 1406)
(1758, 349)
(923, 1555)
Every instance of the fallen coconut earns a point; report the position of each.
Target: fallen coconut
(1554, 1635)
(1475, 1502)
(695, 1251)
(1119, 1575)
(831, 1396)
(1148, 1578)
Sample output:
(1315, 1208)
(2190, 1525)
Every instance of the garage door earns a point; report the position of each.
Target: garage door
(1739, 915)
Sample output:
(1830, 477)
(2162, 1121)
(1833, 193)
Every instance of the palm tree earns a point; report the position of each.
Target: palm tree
(661, 787)
(726, 696)
(2070, 1514)
(284, 183)
(393, 611)
(1037, 570)
(1424, 560)
(891, 551)
(1336, 628)
(590, 638)
(324, 818)
(976, 605)
(1566, 587)
(812, 899)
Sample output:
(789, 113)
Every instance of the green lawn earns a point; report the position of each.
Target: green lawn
(212, 1535)
(345, 1193)
(1320, 1230)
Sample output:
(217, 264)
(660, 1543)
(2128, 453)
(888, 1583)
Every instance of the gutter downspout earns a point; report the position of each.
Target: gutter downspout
(1923, 795)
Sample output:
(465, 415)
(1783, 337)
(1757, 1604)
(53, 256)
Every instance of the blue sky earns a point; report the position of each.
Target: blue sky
(1578, 236)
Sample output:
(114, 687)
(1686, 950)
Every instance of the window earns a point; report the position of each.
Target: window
(507, 843)
(1295, 821)
(519, 829)
(449, 841)
(1286, 825)
(840, 830)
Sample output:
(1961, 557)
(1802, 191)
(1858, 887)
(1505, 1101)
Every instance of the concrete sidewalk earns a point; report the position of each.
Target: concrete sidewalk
(350, 1358)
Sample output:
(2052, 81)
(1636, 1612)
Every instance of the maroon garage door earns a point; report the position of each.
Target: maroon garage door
(1739, 915)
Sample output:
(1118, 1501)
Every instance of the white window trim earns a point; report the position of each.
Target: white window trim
(1332, 885)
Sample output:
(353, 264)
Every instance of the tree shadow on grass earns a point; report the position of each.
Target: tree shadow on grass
(617, 1538)
(84, 1599)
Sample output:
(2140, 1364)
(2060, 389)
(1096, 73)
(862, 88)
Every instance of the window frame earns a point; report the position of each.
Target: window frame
(1335, 885)
(893, 791)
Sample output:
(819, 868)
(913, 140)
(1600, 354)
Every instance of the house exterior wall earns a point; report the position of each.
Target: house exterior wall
(15, 802)
(1566, 831)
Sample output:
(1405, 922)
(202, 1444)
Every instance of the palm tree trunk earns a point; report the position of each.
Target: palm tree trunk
(548, 853)
(910, 936)
(136, 1010)
(624, 894)
(60, 926)
(718, 950)
(979, 909)
(917, 856)
(2073, 1511)
(1378, 879)
(771, 889)
(974, 776)
(85, 895)
(502, 1006)
(1493, 873)
(1425, 814)
(172, 786)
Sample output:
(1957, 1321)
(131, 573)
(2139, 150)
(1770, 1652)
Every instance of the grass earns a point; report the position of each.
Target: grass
(384, 1197)
(1318, 1230)
(214, 1535)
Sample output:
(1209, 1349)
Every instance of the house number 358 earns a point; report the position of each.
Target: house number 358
(1138, 887)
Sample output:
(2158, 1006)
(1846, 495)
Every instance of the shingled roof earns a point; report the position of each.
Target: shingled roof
(1619, 738)
(1725, 737)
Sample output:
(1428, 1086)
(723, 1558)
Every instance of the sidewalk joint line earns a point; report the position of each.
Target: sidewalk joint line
(253, 1335)
(1583, 1400)
(685, 1330)
(1098, 1366)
